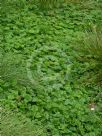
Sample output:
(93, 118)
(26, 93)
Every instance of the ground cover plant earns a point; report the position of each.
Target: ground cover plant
(44, 73)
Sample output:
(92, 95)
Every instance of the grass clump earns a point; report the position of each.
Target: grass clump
(90, 52)
(12, 68)
(15, 124)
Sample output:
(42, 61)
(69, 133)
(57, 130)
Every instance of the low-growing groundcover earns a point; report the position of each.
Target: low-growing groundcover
(40, 76)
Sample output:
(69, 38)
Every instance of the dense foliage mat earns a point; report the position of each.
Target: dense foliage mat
(40, 75)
